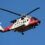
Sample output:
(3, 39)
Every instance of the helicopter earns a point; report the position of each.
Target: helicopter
(22, 24)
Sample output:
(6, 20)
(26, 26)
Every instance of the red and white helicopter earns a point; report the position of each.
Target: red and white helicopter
(22, 24)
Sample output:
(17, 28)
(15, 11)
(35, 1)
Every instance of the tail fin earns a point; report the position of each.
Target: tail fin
(5, 29)
(1, 28)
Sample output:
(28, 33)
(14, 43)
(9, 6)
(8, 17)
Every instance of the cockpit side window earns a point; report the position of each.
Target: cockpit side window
(34, 18)
(22, 18)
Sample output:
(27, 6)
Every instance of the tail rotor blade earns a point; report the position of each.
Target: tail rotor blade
(33, 10)
(10, 11)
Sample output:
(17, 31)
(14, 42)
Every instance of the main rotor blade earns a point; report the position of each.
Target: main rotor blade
(10, 11)
(33, 10)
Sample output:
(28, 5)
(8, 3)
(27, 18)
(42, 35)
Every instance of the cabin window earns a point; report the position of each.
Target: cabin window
(27, 19)
(22, 18)
(24, 21)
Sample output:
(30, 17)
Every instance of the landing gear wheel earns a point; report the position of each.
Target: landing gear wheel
(22, 33)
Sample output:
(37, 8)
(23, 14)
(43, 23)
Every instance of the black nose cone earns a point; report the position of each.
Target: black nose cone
(39, 22)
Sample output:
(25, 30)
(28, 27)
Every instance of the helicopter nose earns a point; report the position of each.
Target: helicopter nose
(38, 21)
(34, 21)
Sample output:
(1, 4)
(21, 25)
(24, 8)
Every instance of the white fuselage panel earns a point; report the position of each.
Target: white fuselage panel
(20, 22)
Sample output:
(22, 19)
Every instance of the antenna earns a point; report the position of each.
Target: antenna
(10, 11)
(33, 10)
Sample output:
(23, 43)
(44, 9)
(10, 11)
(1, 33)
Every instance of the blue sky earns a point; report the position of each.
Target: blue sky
(32, 37)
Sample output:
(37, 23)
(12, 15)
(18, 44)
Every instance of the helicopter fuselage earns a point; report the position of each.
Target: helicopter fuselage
(23, 24)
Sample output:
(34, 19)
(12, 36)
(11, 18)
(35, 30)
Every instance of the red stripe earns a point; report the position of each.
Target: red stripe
(8, 28)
